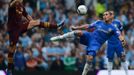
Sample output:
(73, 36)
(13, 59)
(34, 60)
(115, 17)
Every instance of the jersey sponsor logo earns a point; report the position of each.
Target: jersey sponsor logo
(105, 31)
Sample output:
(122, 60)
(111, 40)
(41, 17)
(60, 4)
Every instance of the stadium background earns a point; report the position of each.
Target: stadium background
(35, 51)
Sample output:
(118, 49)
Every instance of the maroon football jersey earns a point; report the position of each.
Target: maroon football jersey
(16, 16)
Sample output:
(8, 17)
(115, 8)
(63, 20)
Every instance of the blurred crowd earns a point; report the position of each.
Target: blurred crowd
(35, 51)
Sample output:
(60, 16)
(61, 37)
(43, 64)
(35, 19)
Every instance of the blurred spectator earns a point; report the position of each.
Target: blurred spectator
(28, 8)
(43, 4)
(81, 62)
(57, 65)
(130, 56)
(70, 62)
(42, 63)
(122, 17)
(100, 7)
(19, 60)
(31, 63)
(25, 40)
(3, 65)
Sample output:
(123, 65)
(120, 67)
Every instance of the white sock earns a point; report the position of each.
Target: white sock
(110, 66)
(124, 65)
(68, 35)
(87, 67)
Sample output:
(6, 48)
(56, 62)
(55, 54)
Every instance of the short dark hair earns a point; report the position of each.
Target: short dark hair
(111, 12)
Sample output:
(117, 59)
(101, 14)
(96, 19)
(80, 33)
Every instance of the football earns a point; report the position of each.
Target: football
(82, 10)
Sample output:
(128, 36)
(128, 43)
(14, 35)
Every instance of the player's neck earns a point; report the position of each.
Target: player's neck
(108, 22)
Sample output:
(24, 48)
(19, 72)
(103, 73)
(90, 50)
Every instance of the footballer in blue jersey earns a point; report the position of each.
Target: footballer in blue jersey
(94, 40)
(114, 46)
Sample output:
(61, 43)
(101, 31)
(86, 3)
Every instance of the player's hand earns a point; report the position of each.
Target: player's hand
(124, 44)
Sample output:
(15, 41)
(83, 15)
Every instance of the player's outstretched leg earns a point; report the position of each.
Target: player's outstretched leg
(34, 23)
(67, 35)
(10, 59)
(51, 25)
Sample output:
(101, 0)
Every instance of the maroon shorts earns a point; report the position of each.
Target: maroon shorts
(14, 33)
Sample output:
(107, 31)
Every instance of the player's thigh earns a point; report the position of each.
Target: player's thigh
(33, 23)
(13, 38)
(85, 37)
(90, 53)
(110, 52)
(120, 51)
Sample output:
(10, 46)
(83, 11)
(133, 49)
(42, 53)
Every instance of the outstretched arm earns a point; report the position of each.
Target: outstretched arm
(85, 26)
(82, 27)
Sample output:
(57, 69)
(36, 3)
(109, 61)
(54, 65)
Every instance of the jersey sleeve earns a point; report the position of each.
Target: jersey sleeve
(120, 26)
(92, 25)
(117, 32)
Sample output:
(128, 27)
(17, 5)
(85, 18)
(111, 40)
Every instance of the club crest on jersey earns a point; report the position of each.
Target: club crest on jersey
(109, 30)
(115, 25)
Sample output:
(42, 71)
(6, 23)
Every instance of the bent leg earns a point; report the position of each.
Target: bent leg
(88, 65)
(40, 24)
(13, 37)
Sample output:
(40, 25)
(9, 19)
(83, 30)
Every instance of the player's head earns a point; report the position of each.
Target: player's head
(18, 0)
(112, 14)
(107, 16)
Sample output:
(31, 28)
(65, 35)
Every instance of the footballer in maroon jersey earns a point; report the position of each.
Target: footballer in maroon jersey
(19, 22)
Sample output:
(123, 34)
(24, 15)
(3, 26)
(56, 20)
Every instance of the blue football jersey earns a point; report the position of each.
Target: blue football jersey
(103, 31)
(114, 39)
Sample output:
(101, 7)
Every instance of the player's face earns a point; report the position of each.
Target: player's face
(106, 16)
(20, 0)
(112, 14)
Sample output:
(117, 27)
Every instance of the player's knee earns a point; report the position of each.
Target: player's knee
(110, 59)
(12, 48)
(10, 54)
(33, 23)
(78, 32)
(89, 58)
(123, 58)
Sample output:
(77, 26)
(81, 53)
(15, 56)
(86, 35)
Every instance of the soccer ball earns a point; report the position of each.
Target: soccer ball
(82, 10)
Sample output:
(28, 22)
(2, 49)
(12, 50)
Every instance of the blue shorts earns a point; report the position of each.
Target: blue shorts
(111, 49)
(92, 45)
